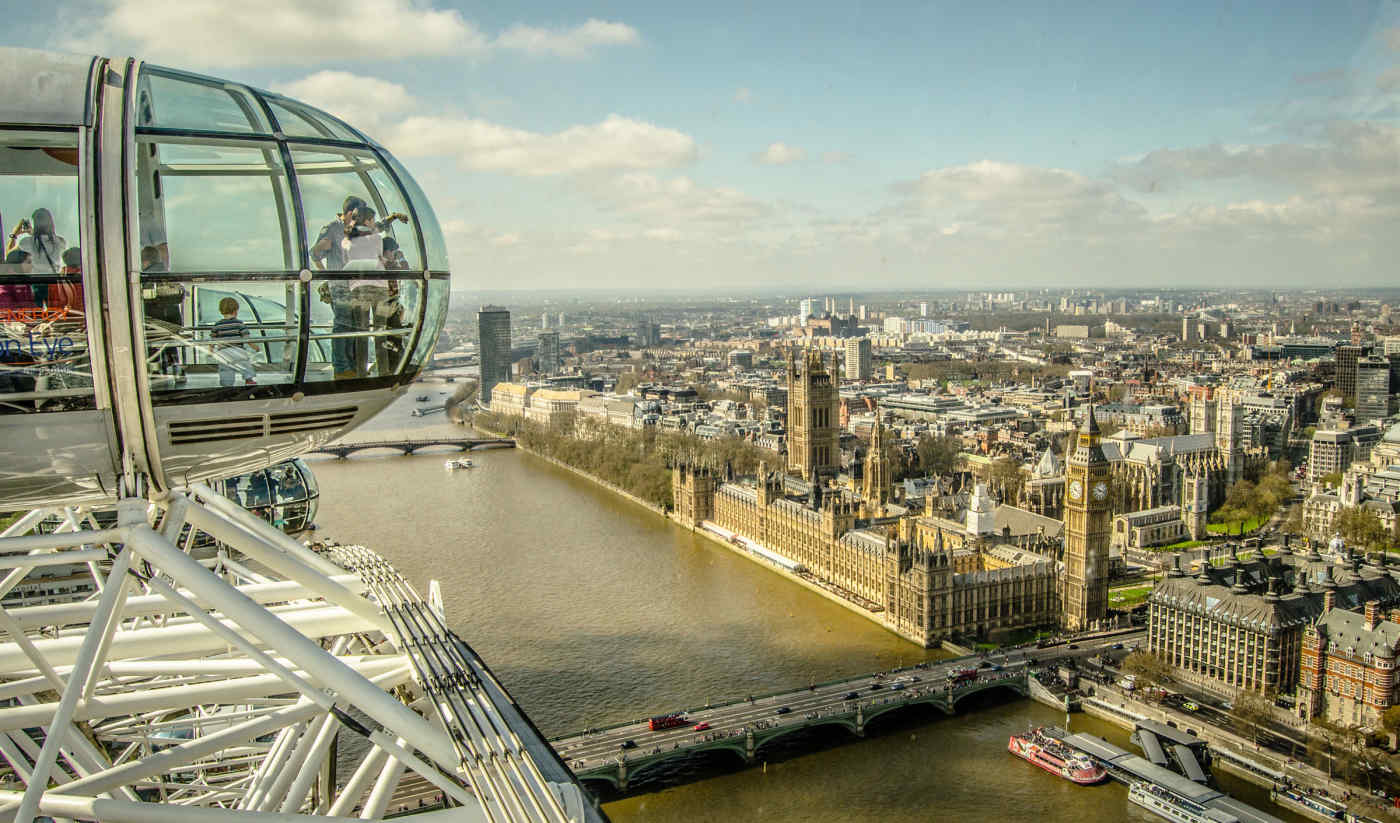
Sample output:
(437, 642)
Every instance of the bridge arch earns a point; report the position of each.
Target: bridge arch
(1016, 686)
(766, 736)
(608, 777)
(641, 767)
(938, 701)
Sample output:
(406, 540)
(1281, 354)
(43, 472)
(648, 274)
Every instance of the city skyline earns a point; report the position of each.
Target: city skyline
(620, 145)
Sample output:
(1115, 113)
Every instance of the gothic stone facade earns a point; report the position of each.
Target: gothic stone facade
(922, 591)
(812, 424)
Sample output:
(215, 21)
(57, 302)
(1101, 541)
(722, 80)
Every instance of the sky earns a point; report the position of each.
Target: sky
(799, 145)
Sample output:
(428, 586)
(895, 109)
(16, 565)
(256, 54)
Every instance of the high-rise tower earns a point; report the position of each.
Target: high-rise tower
(1084, 596)
(493, 323)
(811, 414)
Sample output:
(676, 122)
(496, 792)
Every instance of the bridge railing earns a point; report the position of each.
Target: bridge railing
(711, 706)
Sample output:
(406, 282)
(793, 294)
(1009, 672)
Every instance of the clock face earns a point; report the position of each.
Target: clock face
(1076, 489)
(1100, 490)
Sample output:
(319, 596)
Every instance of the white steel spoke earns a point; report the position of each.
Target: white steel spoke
(214, 664)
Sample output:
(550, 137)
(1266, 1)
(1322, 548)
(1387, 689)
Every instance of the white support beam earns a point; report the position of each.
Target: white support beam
(63, 715)
(384, 709)
(106, 810)
(384, 786)
(303, 566)
(310, 620)
(171, 699)
(62, 614)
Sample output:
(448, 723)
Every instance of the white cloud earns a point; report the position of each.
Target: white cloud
(509, 238)
(252, 32)
(781, 154)
(617, 143)
(1348, 156)
(573, 42)
(743, 95)
(277, 32)
(366, 102)
(836, 158)
(1009, 198)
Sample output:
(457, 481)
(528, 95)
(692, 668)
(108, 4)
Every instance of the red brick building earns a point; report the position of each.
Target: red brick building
(1348, 665)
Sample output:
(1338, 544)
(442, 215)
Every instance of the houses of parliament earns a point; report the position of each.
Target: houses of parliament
(925, 577)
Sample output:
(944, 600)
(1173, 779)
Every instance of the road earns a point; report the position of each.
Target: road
(592, 749)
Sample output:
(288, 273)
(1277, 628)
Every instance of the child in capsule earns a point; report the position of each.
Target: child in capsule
(232, 357)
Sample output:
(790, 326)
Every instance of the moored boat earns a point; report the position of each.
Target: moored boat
(1163, 803)
(1044, 748)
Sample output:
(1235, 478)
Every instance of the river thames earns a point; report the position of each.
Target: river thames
(593, 610)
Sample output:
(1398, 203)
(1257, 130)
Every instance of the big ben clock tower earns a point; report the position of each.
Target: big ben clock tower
(1084, 596)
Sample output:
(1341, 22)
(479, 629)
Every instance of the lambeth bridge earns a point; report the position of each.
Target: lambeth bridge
(343, 450)
(618, 754)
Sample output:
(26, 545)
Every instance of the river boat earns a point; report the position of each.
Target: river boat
(1309, 805)
(1163, 803)
(458, 463)
(1044, 748)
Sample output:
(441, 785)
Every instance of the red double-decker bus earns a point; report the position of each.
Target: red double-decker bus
(666, 721)
(961, 676)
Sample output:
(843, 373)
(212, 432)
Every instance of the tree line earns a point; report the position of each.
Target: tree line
(638, 461)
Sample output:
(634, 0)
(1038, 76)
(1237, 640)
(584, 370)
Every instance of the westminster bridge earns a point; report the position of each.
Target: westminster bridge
(616, 755)
(407, 447)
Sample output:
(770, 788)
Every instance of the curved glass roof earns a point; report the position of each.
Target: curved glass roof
(42, 88)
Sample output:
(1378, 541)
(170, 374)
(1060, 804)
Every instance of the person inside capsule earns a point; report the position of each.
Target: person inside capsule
(355, 242)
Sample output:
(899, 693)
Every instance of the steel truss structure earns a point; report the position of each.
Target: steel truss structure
(220, 669)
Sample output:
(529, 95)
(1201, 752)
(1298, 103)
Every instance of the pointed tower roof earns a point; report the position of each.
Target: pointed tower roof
(1049, 465)
(1091, 425)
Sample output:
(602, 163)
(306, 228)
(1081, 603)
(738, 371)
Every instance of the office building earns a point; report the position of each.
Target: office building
(1242, 626)
(547, 356)
(648, 334)
(859, 364)
(493, 324)
(1372, 389)
(1347, 358)
(1329, 453)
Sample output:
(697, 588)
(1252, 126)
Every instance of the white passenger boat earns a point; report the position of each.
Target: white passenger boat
(1163, 803)
(458, 463)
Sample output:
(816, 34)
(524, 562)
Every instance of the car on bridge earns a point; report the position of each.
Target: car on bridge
(701, 726)
(627, 744)
(783, 710)
(875, 687)
(852, 696)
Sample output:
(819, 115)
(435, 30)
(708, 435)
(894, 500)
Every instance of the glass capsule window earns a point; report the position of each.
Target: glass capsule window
(276, 248)
(285, 495)
(170, 100)
(44, 362)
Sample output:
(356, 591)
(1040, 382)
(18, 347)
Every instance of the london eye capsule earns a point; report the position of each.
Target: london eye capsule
(201, 279)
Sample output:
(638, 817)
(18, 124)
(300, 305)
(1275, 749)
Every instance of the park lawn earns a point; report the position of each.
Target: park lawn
(1233, 526)
(1129, 596)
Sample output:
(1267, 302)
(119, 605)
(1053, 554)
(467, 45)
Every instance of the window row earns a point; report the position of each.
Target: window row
(210, 205)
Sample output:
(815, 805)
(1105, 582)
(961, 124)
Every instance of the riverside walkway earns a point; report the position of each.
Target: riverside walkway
(406, 447)
(617, 754)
